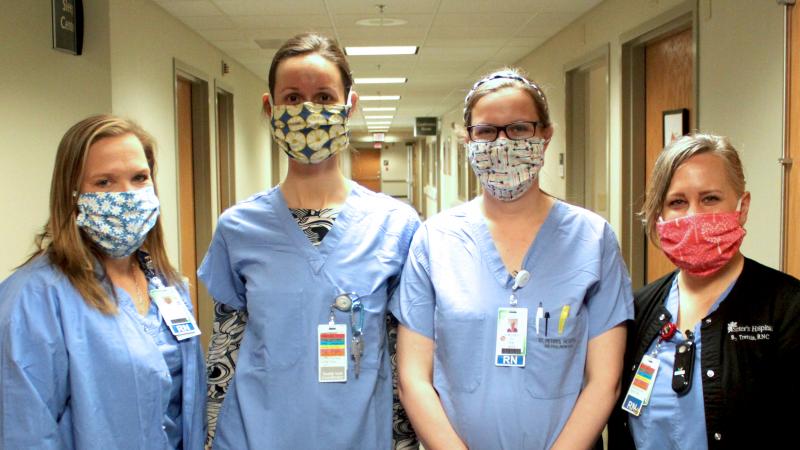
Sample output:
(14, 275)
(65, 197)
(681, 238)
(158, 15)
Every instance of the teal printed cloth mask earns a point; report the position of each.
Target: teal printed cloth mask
(310, 132)
(118, 222)
(507, 168)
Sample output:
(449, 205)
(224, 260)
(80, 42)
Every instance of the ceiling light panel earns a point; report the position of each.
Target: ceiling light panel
(383, 50)
(383, 80)
(378, 117)
(379, 108)
(372, 98)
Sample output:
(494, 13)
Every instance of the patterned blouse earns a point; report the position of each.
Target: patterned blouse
(229, 327)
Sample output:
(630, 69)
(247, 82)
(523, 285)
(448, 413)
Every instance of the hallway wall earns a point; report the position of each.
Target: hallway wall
(127, 69)
(44, 92)
(740, 94)
(144, 41)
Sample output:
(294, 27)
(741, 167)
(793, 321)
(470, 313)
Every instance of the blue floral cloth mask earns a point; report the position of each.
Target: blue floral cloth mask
(507, 168)
(310, 132)
(118, 222)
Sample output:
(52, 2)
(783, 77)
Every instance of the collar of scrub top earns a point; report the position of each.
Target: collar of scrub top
(503, 75)
(317, 255)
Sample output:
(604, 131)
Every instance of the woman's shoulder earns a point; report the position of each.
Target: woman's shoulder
(369, 202)
(255, 208)
(764, 278)
(31, 287)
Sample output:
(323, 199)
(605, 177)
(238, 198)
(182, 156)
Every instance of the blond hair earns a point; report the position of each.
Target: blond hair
(672, 157)
(67, 247)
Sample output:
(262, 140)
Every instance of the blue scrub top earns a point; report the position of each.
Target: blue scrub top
(451, 289)
(259, 259)
(154, 325)
(73, 377)
(669, 420)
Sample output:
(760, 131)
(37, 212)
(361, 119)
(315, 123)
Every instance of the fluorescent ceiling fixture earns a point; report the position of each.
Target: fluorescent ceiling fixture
(384, 80)
(368, 98)
(378, 117)
(386, 50)
(388, 122)
(381, 108)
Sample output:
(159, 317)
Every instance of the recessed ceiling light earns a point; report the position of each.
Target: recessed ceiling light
(387, 122)
(386, 80)
(378, 117)
(381, 22)
(379, 108)
(385, 50)
(368, 98)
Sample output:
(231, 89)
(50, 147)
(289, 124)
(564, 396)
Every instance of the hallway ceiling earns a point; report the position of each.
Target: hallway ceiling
(458, 40)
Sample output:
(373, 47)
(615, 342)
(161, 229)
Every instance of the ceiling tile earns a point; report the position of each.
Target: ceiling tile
(201, 23)
(546, 25)
(510, 21)
(273, 21)
(191, 8)
(370, 9)
(413, 21)
(273, 7)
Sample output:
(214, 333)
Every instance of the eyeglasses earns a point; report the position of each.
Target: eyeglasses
(515, 131)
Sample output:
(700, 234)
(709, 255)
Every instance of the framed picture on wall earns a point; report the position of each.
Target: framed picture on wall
(675, 124)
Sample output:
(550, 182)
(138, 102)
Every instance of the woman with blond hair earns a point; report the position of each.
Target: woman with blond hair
(715, 343)
(98, 346)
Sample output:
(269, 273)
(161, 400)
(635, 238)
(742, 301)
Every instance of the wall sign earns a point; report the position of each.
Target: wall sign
(68, 26)
(425, 126)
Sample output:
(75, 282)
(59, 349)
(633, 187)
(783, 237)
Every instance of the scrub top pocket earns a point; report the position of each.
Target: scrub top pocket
(460, 350)
(556, 361)
(283, 328)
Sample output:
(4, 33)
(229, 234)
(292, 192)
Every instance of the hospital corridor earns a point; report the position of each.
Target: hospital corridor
(398, 223)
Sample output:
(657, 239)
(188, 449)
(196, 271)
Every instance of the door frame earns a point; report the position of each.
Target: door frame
(227, 189)
(600, 55)
(634, 42)
(790, 178)
(203, 181)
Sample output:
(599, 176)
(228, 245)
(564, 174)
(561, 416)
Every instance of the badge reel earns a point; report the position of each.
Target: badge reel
(684, 363)
(332, 339)
(179, 320)
(512, 328)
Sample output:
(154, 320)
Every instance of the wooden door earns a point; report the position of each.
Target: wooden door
(186, 218)
(226, 161)
(366, 167)
(669, 67)
(791, 251)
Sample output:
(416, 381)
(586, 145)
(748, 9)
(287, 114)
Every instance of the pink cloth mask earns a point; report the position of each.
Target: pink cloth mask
(701, 244)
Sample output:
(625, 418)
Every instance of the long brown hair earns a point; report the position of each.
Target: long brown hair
(67, 247)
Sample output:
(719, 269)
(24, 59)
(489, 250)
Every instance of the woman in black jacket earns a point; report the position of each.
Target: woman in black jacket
(714, 349)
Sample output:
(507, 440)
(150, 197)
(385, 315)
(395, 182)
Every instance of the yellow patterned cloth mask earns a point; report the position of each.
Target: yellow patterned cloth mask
(310, 132)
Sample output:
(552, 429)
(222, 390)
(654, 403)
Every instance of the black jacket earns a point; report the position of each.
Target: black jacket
(749, 359)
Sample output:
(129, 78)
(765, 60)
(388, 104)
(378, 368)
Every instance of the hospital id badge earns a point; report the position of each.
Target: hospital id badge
(512, 337)
(175, 313)
(332, 353)
(642, 386)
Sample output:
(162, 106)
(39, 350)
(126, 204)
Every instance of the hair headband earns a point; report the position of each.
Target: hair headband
(505, 74)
